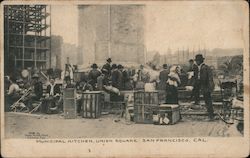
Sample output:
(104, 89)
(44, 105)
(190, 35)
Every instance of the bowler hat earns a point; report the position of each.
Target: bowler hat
(119, 66)
(94, 65)
(109, 60)
(114, 66)
(199, 57)
(165, 66)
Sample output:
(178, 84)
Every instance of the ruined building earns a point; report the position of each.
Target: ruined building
(115, 31)
(26, 37)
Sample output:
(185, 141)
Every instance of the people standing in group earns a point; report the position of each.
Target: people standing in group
(93, 74)
(163, 77)
(203, 83)
(172, 84)
(107, 66)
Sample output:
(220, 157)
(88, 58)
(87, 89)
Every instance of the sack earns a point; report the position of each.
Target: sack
(112, 89)
(149, 87)
(139, 85)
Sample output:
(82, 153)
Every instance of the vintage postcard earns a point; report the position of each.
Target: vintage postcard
(124, 78)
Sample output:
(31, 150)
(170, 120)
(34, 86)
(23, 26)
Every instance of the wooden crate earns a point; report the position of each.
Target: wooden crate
(92, 103)
(141, 97)
(162, 96)
(69, 103)
(144, 113)
(172, 111)
(144, 105)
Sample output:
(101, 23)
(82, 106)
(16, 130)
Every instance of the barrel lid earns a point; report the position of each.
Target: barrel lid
(92, 92)
(169, 106)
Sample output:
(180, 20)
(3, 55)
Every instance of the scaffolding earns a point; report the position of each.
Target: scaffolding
(27, 37)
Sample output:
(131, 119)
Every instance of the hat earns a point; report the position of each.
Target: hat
(191, 60)
(114, 66)
(109, 60)
(199, 57)
(94, 65)
(165, 66)
(119, 66)
(35, 76)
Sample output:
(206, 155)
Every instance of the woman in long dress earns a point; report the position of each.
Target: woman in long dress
(172, 84)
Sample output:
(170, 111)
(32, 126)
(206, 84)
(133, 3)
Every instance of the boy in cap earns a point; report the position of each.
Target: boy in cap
(203, 82)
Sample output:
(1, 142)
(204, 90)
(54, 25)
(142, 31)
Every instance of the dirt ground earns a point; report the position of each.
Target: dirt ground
(21, 125)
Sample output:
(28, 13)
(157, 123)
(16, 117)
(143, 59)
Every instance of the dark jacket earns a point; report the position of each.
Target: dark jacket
(117, 79)
(93, 74)
(56, 89)
(163, 79)
(206, 78)
(107, 66)
(38, 89)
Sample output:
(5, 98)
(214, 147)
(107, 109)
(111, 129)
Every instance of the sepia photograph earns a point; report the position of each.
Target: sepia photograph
(110, 72)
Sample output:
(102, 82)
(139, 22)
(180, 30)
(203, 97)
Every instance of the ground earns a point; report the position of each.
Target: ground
(21, 125)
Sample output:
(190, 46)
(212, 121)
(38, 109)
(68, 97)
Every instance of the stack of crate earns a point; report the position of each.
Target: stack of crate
(92, 103)
(69, 103)
(145, 103)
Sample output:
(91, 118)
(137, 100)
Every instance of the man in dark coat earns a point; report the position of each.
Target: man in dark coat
(37, 91)
(203, 82)
(37, 87)
(93, 74)
(116, 81)
(163, 77)
(107, 66)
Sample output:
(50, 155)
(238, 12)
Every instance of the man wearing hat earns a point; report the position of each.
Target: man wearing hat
(107, 66)
(93, 74)
(203, 82)
(163, 77)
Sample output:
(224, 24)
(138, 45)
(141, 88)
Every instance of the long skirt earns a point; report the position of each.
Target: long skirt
(172, 94)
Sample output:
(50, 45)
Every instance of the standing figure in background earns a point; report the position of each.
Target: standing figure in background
(120, 79)
(172, 85)
(93, 74)
(191, 80)
(204, 82)
(163, 77)
(107, 66)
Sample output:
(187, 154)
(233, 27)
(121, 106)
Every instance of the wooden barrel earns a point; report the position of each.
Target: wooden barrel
(69, 103)
(92, 103)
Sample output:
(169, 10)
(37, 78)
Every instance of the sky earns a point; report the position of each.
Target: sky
(174, 25)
